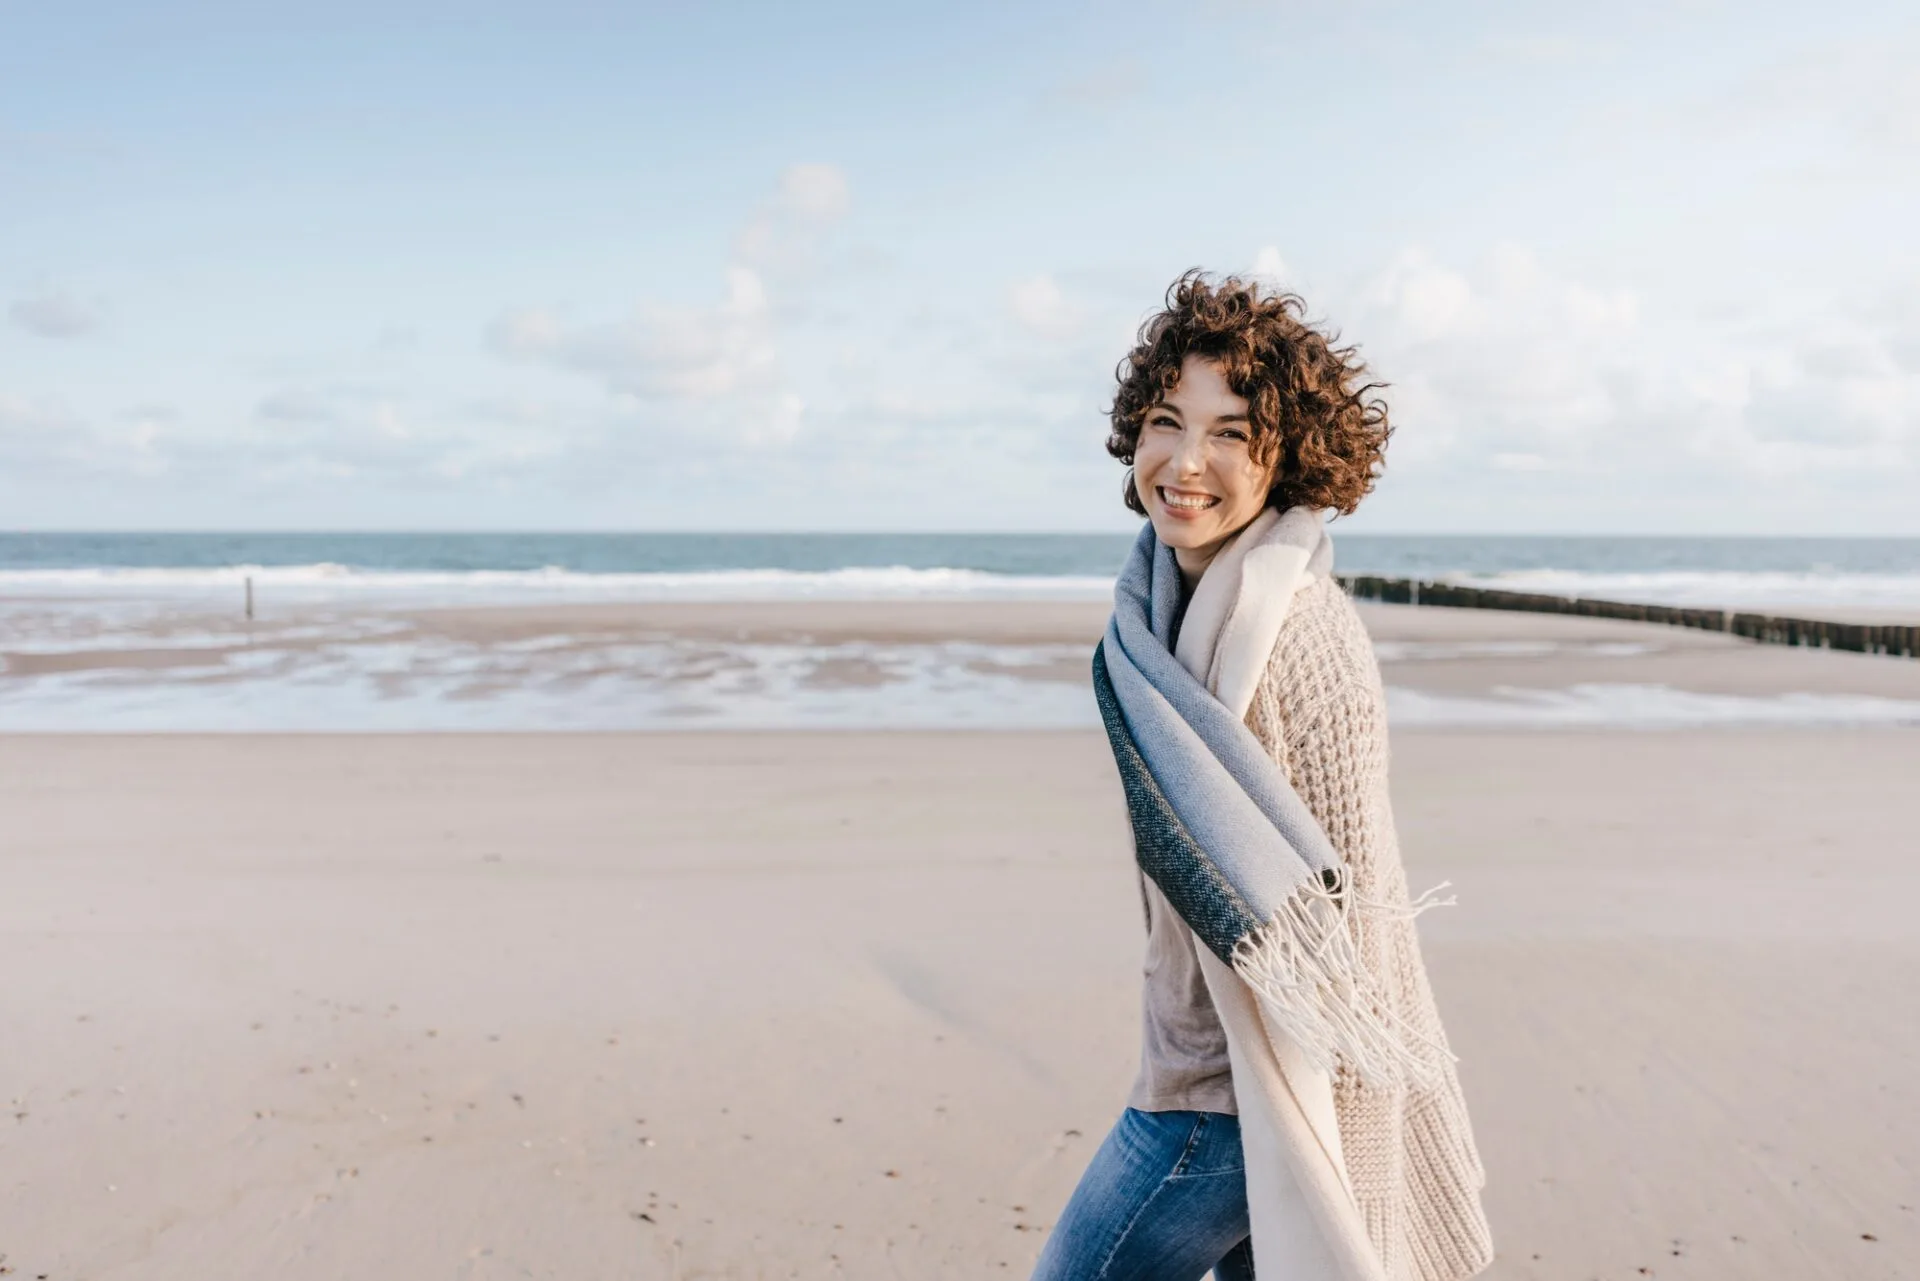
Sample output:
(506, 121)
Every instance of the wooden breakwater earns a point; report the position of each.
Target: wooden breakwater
(1900, 640)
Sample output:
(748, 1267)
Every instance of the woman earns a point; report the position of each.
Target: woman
(1296, 1100)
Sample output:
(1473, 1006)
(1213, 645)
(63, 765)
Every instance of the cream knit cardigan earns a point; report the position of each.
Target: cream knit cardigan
(1374, 1181)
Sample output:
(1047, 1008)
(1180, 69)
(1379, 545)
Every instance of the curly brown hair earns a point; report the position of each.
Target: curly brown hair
(1309, 402)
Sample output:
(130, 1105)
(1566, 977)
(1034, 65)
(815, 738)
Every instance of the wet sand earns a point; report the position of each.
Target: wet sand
(860, 1004)
(481, 652)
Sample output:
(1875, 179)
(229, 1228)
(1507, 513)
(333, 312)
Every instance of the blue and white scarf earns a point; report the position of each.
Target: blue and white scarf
(1216, 824)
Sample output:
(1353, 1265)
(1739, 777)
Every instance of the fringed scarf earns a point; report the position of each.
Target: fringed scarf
(1216, 824)
(1242, 860)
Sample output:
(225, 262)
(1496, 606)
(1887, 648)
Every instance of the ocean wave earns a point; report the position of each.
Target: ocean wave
(329, 581)
(1643, 707)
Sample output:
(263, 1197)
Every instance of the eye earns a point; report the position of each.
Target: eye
(1162, 420)
(1234, 433)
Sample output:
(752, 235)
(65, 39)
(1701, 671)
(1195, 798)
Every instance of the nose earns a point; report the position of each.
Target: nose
(1190, 455)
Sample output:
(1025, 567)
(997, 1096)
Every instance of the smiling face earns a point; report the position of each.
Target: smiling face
(1194, 468)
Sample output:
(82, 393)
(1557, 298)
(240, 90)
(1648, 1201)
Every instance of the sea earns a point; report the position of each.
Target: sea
(1773, 573)
(150, 631)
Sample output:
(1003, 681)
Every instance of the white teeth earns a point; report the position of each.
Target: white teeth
(1190, 504)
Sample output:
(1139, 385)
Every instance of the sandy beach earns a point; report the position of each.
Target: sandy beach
(858, 1003)
(554, 559)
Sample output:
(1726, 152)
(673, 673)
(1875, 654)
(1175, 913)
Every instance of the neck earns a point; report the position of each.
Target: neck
(1193, 562)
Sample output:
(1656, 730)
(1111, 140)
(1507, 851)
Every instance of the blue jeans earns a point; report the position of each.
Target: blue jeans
(1164, 1199)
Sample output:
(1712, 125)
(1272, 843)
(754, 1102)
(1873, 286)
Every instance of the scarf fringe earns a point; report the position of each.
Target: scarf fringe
(1304, 965)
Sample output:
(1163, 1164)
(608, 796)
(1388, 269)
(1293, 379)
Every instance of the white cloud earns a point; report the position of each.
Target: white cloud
(784, 420)
(49, 435)
(784, 236)
(1858, 93)
(1827, 396)
(58, 314)
(1038, 303)
(528, 331)
(718, 366)
(696, 353)
(1269, 267)
(23, 419)
(1517, 355)
(1423, 301)
(1514, 364)
(814, 191)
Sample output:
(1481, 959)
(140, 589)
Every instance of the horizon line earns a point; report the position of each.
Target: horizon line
(610, 531)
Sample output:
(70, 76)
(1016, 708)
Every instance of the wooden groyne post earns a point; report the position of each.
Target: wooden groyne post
(1899, 640)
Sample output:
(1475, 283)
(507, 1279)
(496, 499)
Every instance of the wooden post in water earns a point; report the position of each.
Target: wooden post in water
(249, 598)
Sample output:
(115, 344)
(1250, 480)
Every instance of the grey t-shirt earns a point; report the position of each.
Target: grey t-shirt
(1183, 1048)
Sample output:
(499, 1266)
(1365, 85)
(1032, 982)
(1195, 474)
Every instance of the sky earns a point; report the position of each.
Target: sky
(1634, 268)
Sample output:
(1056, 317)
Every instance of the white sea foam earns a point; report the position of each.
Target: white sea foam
(1634, 706)
(330, 582)
(337, 662)
(381, 685)
(1715, 590)
(577, 683)
(1389, 651)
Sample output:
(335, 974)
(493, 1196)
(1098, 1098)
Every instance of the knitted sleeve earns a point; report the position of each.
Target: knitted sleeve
(1321, 711)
